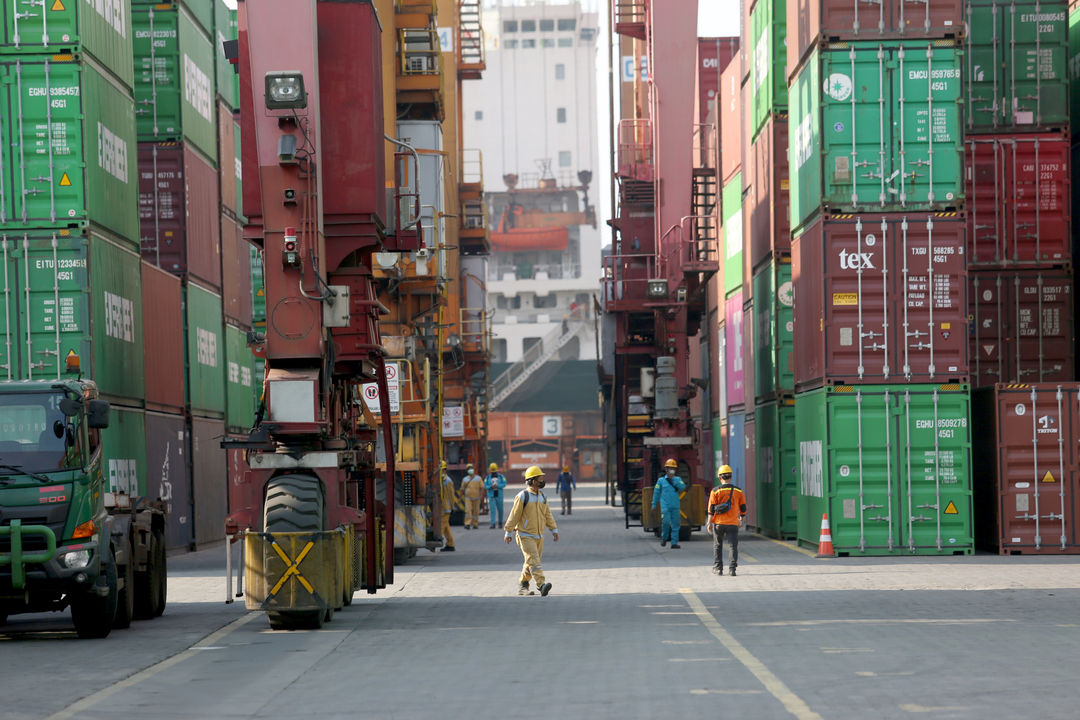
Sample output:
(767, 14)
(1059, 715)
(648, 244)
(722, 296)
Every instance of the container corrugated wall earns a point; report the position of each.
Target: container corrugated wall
(163, 333)
(123, 451)
(777, 475)
(774, 301)
(209, 485)
(168, 474)
(240, 381)
(205, 361)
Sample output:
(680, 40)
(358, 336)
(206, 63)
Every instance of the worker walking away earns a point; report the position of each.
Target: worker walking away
(666, 497)
(563, 484)
(727, 510)
(495, 482)
(448, 498)
(529, 517)
(472, 487)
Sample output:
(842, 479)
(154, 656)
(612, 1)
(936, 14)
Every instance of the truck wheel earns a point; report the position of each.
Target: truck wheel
(150, 583)
(125, 596)
(161, 568)
(93, 615)
(294, 504)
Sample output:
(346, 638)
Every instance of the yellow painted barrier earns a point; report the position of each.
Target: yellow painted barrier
(294, 571)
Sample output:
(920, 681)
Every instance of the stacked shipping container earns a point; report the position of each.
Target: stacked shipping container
(189, 226)
(69, 215)
(879, 275)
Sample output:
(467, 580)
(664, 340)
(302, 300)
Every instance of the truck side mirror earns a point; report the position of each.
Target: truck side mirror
(71, 406)
(98, 415)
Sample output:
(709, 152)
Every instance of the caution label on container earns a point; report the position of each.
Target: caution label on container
(950, 509)
(65, 181)
(57, 6)
(845, 299)
(1048, 477)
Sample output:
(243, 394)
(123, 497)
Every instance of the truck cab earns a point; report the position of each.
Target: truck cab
(65, 540)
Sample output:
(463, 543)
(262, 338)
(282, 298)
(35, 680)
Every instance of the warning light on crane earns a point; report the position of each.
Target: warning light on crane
(289, 254)
(285, 90)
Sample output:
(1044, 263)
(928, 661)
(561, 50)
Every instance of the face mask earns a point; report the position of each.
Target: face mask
(670, 471)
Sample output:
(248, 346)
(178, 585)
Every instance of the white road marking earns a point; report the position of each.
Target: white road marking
(792, 702)
(845, 651)
(912, 708)
(685, 642)
(712, 659)
(206, 643)
(880, 621)
(871, 673)
(725, 692)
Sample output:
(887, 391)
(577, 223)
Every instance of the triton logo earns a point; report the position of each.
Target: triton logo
(856, 261)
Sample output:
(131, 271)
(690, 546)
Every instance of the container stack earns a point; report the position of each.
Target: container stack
(767, 262)
(69, 218)
(879, 273)
(188, 228)
(1020, 249)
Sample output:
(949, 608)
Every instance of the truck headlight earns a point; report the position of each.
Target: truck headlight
(75, 559)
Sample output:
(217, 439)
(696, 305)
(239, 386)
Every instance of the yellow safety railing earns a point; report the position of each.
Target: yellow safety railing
(419, 51)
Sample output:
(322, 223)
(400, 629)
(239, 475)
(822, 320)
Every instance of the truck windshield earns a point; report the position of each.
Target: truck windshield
(34, 434)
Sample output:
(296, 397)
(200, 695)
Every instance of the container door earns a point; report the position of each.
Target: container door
(768, 490)
(927, 143)
(9, 323)
(934, 462)
(750, 484)
(737, 448)
(860, 467)
(786, 462)
(1034, 74)
(930, 330)
(1036, 474)
(167, 475)
(157, 72)
(989, 300)
(1041, 329)
(736, 387)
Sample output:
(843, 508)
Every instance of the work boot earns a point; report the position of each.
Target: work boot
(676, 546)
(663, 542)
(545, 589)
(492, 526)
(448, 548)
(731, 571)
(718, 571)
(524, 589)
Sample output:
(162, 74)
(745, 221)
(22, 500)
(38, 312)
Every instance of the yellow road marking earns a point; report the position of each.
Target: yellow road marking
(776, 687)
(790, 546)
(91, 700)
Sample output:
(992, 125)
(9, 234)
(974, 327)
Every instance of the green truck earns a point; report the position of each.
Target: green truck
(73, 530)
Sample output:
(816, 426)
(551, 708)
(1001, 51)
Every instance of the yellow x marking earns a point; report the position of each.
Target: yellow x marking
(294, 567)
(681, 496)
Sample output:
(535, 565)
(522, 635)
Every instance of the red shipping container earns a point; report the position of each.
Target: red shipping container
(731, 120)
(770, 226)
(1018, 200)
(880, 299)
(714, 54)
(163, 339)
(235, 273)
(1027, 468)
(809, 21)
(227, 157)
(745, 163)
(734, 353)
(178, 211)
(1021, 326)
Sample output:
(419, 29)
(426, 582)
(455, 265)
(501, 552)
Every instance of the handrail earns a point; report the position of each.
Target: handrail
(424, 58)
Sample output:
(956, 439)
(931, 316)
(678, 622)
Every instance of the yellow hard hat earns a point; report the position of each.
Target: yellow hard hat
(566, 468)
(671, 463)
(493, 466)
(444, 464)
(469, 467)
(724, 470)
(533, 471)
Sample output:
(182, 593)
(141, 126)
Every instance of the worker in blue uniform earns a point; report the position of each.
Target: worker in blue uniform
(666, 497)
(495, 482)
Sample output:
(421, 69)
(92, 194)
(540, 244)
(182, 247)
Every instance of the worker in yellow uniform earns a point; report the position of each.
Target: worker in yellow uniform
(448, 499)
(472, 487)
(727, 510)
(529, 517)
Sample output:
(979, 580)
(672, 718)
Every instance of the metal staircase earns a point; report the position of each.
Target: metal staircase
(471, 62)
(534, 358)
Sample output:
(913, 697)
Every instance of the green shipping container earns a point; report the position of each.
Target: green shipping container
(777, 469)
(258, 290)
(876, 128)
(201, 11)
(768, 59)
(1074, 70)
(239, 381)
(205, 362)
(69, 297)
(88, 172)
(224, 29)
(774, 301)
(71, 27)
(182, 80)
(123, 451)
(890, 466)
(1015, 65)
(731, 206)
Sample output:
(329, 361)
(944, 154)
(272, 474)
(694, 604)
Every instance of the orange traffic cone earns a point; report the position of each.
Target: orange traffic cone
(825, 548)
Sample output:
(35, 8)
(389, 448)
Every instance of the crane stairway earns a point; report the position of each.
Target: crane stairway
(534, 358)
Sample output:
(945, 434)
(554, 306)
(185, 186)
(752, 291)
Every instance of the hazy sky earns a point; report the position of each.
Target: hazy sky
(718, 18)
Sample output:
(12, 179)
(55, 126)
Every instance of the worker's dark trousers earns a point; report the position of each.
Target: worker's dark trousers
(731, 532)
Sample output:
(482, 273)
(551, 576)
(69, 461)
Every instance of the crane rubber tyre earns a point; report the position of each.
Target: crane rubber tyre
(294, 504)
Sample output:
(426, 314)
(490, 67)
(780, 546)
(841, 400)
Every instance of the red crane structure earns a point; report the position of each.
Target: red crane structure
(308, 503)
(664, 252)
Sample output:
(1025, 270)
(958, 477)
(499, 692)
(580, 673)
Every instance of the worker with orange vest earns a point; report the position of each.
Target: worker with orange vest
(727, 510)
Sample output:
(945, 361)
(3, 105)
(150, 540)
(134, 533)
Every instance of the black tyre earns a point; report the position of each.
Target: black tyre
(150, 584)
(684, 533)
(125, 596)
(294, 503)
(93, 615)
